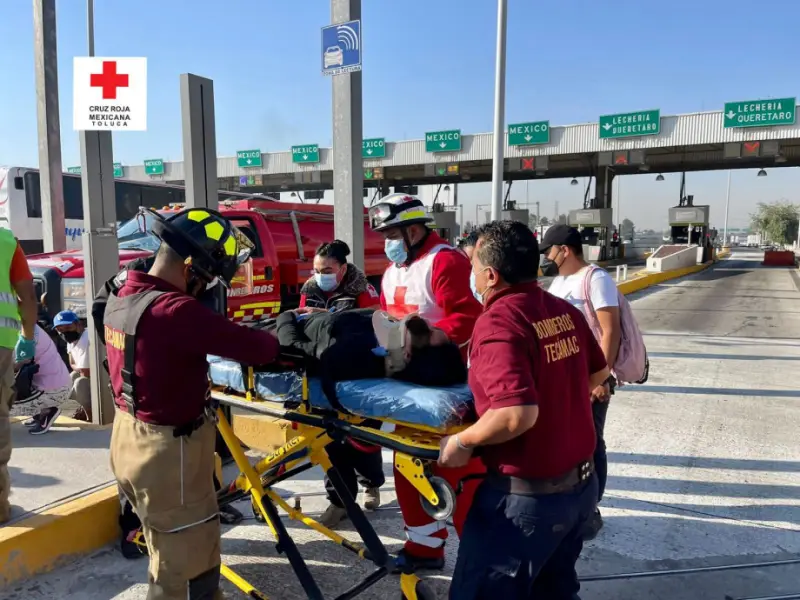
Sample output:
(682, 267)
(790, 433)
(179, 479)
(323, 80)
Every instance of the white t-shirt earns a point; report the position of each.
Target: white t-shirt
(602, 290)
(79, 351)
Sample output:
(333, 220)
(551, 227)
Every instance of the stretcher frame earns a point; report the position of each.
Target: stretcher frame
(415, 448)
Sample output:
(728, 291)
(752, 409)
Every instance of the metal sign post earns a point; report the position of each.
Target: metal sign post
(348, 167)
(100, 251)
(499, 111)
(199, 142)
(51, 181)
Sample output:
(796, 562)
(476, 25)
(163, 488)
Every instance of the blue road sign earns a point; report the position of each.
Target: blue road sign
(341, 48)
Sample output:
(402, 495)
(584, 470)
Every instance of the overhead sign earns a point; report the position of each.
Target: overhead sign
(529, 134)
(154, 166)
(341, 48)
(632, 124)
(109, 93)
(248, 158)
(118, 170)
(443, 141)
(373, 148)
(305, 154)
(760, 113)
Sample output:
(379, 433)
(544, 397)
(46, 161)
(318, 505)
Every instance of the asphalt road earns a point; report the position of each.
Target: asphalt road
(704, 464)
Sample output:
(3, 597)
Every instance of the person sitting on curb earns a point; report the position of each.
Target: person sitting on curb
(72, 330)
(45, 381)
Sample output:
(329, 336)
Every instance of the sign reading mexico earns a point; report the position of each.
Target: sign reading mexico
(109, 94)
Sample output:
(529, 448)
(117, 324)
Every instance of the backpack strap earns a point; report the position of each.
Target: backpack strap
(591, 313)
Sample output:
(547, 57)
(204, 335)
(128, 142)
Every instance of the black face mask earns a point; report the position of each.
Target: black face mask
(70, 336)
(549, 267)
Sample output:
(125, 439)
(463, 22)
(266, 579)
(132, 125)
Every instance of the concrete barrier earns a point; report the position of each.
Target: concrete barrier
(669, 258)
(779, 258)
(49, 540)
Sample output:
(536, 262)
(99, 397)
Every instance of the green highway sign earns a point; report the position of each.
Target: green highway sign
(248, 158)
(529, 134)
(305, 154)
(443, 141)
(632, 124)
(760, 113)
(118, 170)
(154, 166)
(373, 148)
(74, 170)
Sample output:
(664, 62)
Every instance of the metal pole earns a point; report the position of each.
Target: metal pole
(727, 204)
(619, 208)
(348, 167)
(51, 181)
(499, 110)
(90, 25)
(101, 254)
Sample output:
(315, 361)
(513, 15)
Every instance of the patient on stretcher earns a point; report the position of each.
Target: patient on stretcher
(368, 344)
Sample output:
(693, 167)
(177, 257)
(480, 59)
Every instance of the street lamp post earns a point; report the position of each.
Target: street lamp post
(499, 111)
(727, 204)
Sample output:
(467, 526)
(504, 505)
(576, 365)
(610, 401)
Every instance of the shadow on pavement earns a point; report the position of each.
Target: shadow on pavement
(710, 391)
(704, 462)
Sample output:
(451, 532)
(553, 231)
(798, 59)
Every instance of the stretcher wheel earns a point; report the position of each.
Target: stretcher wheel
(257, 513)
(447, 500)
(422, 591)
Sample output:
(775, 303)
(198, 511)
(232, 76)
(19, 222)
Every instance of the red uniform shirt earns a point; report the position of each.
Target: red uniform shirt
(530, 347)
(174, 336)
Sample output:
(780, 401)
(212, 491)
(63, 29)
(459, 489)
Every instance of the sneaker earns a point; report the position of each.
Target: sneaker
(31, 421)
(45, 421)
(408, 563)
(592, 527)
(332, 516)
(372, 498)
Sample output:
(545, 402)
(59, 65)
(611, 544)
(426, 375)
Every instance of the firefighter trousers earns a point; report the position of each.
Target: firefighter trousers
(426, 537)
(6, 400)
(169, 482)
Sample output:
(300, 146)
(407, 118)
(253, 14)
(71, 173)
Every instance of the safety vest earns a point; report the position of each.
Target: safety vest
(9, 307)
(409, 290)
(120, 323)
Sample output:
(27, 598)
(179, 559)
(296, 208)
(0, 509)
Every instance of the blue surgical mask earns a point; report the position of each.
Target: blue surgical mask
(395, 251)
(473, 287)
(326, 281)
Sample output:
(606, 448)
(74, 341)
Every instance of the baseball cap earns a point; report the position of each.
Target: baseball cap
(560, 235)
(65, 317)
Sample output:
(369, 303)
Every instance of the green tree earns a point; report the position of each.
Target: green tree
(544, 221)
(777, 221)
(626, 229)
(562, 220)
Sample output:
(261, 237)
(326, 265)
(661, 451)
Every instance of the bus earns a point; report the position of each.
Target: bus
(21, 204)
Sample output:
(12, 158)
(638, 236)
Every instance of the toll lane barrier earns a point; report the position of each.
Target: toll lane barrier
(43, 542)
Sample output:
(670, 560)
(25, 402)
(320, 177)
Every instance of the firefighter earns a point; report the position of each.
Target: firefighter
(158, 336)
(430, 278)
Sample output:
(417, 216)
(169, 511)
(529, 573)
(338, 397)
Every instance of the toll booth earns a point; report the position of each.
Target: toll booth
(688, 224)
(444, 223)
(595, 226)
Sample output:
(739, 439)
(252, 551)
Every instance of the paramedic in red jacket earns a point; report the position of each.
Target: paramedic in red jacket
(430, 278)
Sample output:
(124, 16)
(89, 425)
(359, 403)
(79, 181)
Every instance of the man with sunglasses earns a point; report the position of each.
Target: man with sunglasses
(157, 337)
(430, 278)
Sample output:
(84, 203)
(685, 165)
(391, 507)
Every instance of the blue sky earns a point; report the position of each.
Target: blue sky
(429, 64)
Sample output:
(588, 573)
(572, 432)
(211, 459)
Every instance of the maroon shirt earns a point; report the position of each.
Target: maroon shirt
(174, 336)
(531, 348)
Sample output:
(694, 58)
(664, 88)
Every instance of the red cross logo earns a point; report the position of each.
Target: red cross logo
(399, 308)
(109, 80)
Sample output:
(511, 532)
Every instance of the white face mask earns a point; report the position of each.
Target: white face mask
(326, 281)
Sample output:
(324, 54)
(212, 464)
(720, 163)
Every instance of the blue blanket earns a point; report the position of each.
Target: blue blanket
(370, 398)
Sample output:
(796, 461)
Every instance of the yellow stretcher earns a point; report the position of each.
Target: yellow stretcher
(416, 448)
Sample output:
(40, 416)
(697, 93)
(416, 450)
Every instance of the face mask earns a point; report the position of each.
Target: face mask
(70, 336)
(326, 281)
(395, 251)
(473, 287)
(549, 267)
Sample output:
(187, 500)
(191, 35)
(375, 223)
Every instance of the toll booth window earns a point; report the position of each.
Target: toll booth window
(246, 227)
(73, 196)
